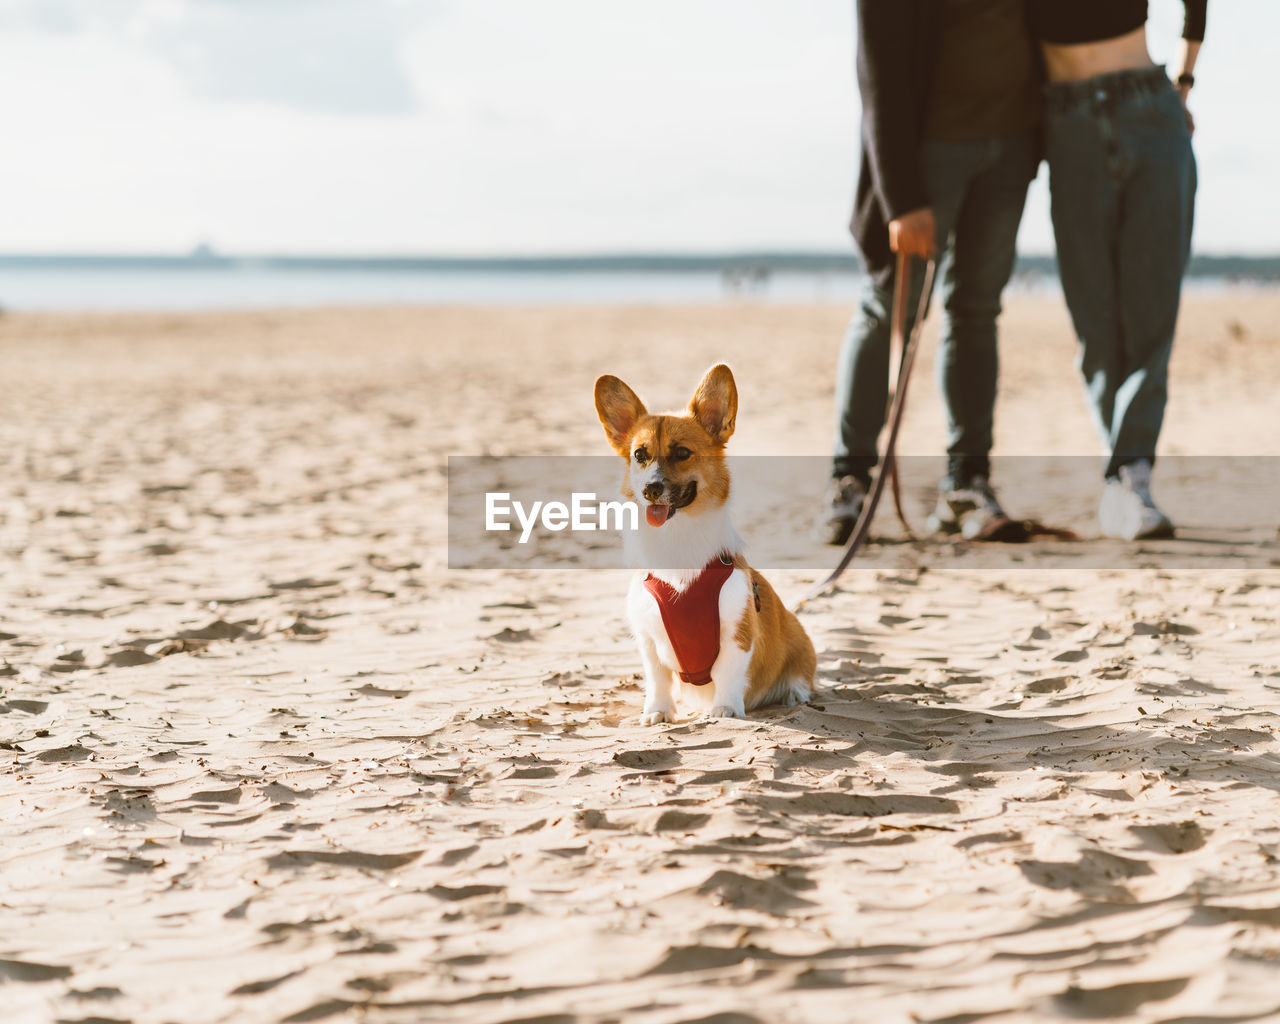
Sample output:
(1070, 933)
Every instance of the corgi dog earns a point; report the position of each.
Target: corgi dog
(701, 615)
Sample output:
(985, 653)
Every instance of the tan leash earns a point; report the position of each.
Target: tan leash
(898, 357)
(902, 358)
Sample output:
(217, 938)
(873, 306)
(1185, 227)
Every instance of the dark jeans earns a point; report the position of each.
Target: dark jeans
(1122, 179)
(978, 190)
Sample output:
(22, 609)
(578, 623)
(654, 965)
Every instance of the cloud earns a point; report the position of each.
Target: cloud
(324, 56)
(58, 16)
(333, 56)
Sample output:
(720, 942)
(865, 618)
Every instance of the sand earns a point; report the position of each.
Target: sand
(266, 758)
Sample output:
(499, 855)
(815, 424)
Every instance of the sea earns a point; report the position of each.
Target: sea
(210, 282)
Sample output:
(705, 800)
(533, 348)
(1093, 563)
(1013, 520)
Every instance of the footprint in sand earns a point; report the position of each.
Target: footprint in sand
(507, 635)
(1050, 684)
(1074, 655)
(1171, 837)
(855, 804)
(454, 894)
(1164, 627)
(1116, 1001)
(73, 752)
(723, 775)
(648, 760)
(1096, 874)
(344, 858)
(769, 895)
(686, 959)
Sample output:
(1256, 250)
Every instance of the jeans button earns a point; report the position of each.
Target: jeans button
(1100, 95)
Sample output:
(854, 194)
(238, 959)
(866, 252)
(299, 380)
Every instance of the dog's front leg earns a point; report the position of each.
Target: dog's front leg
(729, 674)
(659, 700)
(729, 678)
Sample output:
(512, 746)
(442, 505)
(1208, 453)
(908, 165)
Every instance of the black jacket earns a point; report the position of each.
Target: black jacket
(898, 44)
(897, 51)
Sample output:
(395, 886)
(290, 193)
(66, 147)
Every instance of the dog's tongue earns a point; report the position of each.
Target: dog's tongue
(657, 514)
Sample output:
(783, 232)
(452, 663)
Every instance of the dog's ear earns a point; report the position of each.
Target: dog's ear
(715, 403)
(618, 408)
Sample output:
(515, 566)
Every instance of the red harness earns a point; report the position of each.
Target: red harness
(692, 618)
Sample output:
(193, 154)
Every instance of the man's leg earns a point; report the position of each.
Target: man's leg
(862, 374)
(962, 173)
(982, 256)
(862, 387)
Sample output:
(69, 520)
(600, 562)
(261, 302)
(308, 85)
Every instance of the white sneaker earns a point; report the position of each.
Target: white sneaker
(1127, 510)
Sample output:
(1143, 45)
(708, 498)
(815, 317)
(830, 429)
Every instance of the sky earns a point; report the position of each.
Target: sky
(503, 126)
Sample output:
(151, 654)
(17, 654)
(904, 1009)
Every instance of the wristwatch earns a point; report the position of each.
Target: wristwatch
(1187, 79)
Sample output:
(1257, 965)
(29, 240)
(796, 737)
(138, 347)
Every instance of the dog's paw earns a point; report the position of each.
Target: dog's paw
(657, 717)
(795, 697)
(724, 711)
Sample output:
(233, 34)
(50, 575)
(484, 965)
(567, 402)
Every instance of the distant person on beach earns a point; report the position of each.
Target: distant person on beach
(1122, 180)
(950, 110)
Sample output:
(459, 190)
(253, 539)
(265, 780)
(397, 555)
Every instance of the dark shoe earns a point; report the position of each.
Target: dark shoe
(841, 507)
(972, 511)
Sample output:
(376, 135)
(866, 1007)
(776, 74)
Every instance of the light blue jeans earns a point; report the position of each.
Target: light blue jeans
(1122, 179)
(977, 191)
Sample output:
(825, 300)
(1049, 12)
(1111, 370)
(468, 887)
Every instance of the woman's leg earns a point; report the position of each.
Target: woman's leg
(1085, 180)
(1154, 244)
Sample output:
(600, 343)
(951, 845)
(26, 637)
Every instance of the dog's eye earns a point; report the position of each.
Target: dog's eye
(641, 455)
(679, 454)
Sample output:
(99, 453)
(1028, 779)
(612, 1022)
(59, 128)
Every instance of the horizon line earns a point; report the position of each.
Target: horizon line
(209, 253)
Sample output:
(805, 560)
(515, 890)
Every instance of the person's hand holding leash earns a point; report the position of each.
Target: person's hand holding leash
(914, 233)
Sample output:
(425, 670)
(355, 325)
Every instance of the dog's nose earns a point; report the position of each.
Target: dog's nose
(652, 492)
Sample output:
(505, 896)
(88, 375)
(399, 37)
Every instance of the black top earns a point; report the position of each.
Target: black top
(1090, 21)
(898, 47)
(986, 83)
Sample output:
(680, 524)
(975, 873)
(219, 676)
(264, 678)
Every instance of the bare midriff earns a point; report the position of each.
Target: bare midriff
(1088, 60)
